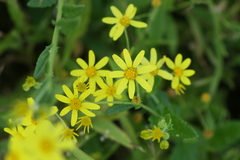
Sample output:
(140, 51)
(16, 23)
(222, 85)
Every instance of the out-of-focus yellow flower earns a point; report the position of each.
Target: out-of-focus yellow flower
(180, 71)
(108, 91)
(85, 122)
(30, 82)
(91, 70)
(80, 85)
(76, 103)
(69, 135)
(121, 21)
(131, 73)
(179, 89)
(158, 71)
(205, 97)
(156, 3)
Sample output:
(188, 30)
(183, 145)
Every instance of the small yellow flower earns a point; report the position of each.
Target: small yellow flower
(69, 134)
(76, 104)
(156, 133)
(80, 85)
(91, 71)
(30, 82)
(107, 90)
(131, 73)
(121, 21)
(85, 122)
(179, 89)
(205, 97)
(158, 71)
(156, 3)
(180, 71)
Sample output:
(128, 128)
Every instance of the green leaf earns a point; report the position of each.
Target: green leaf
(225, 135)
(79, 154)
(181, 129)
(67, 26)
(42, 62)
(117, 108)
(41, 3)
(72, 11)
(109, 129)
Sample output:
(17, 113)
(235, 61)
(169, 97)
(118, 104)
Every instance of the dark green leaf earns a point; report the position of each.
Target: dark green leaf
(41, 3)
(117, 108)
(42, 63)
(181, 129)
(68, 25)
(72, 11)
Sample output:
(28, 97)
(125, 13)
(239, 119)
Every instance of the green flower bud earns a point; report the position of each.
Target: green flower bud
(145, 134)
(166, 135)
(164, 144)
(162, 124)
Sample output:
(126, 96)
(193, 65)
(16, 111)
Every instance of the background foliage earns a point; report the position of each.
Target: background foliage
(207, 31)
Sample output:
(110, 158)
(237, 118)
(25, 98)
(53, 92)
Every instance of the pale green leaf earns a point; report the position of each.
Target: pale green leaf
(67, 26)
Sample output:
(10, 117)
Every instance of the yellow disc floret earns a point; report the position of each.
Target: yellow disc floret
(111, 90)
(91, 71)
(130, 73)
(125, 21)
(178, 71)
(75, 103)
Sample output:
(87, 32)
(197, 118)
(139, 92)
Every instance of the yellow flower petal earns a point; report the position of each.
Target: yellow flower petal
(122, 85)
(160, 63)
(113, 31)
(138, 24)
(132, 14)
(131, 89)
(119, 62)
(74, 117)
(84, 95)
(151, 81)
(127, 58)
(65, 111)
(110, 20)
(144, 84)
(129, 10)
(165, 74)
(87, 112)
(103, 73)
(62, 98)
(188, 72)
(175, 82)
(118, 32)
(178, 60)
(186, 63)
(116, 74)
(100, 97)
(185, 80)
(145, 61)
(153, 56)
(138, 59)
(170, 63)
(30, 102)
(82, 63)
(67, 91)
(91, 58)
(77, 72)
(146, 69)
(116, 12)
(102, 63)
(118, 96)
(109, 81)
(89, 105)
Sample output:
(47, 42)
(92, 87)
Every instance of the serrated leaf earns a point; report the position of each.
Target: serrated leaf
(117, 108)
(42, 62)
(225, 135)
(72, 11)
(109, 129)
(181, 129)
(68, 25)
(41, 3)
(79, 154)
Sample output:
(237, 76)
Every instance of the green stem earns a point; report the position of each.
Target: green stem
(60, 118)
(149, 110)
(114, 102)
(127, 39)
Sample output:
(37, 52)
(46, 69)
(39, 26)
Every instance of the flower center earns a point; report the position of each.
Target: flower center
(125, 21)
(86, 121)
(154, 73)
(46, 146)
(75, 103)
(30, 81)
(130, 73)
(81, 87)
(157, 134)
(91, 71)
(178, 71)
(68, 133)
(111, 90)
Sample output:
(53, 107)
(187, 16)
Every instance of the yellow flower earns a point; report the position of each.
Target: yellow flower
(145, 134)
(91, 71)
(180, 71)
(69, 134)
(80, 85)
(76, 103)
(131, 73)
(30, 82)
(107, 90)
(179, 89)
(205, 97)
(156, 133)
(46, 144)
(121, 21)
(156, 3)
(85, 122)
(153, 61)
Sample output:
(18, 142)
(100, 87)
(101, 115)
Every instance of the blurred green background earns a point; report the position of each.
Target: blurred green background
(207, 31)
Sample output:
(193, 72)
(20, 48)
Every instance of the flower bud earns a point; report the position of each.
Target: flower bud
(164, 144)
